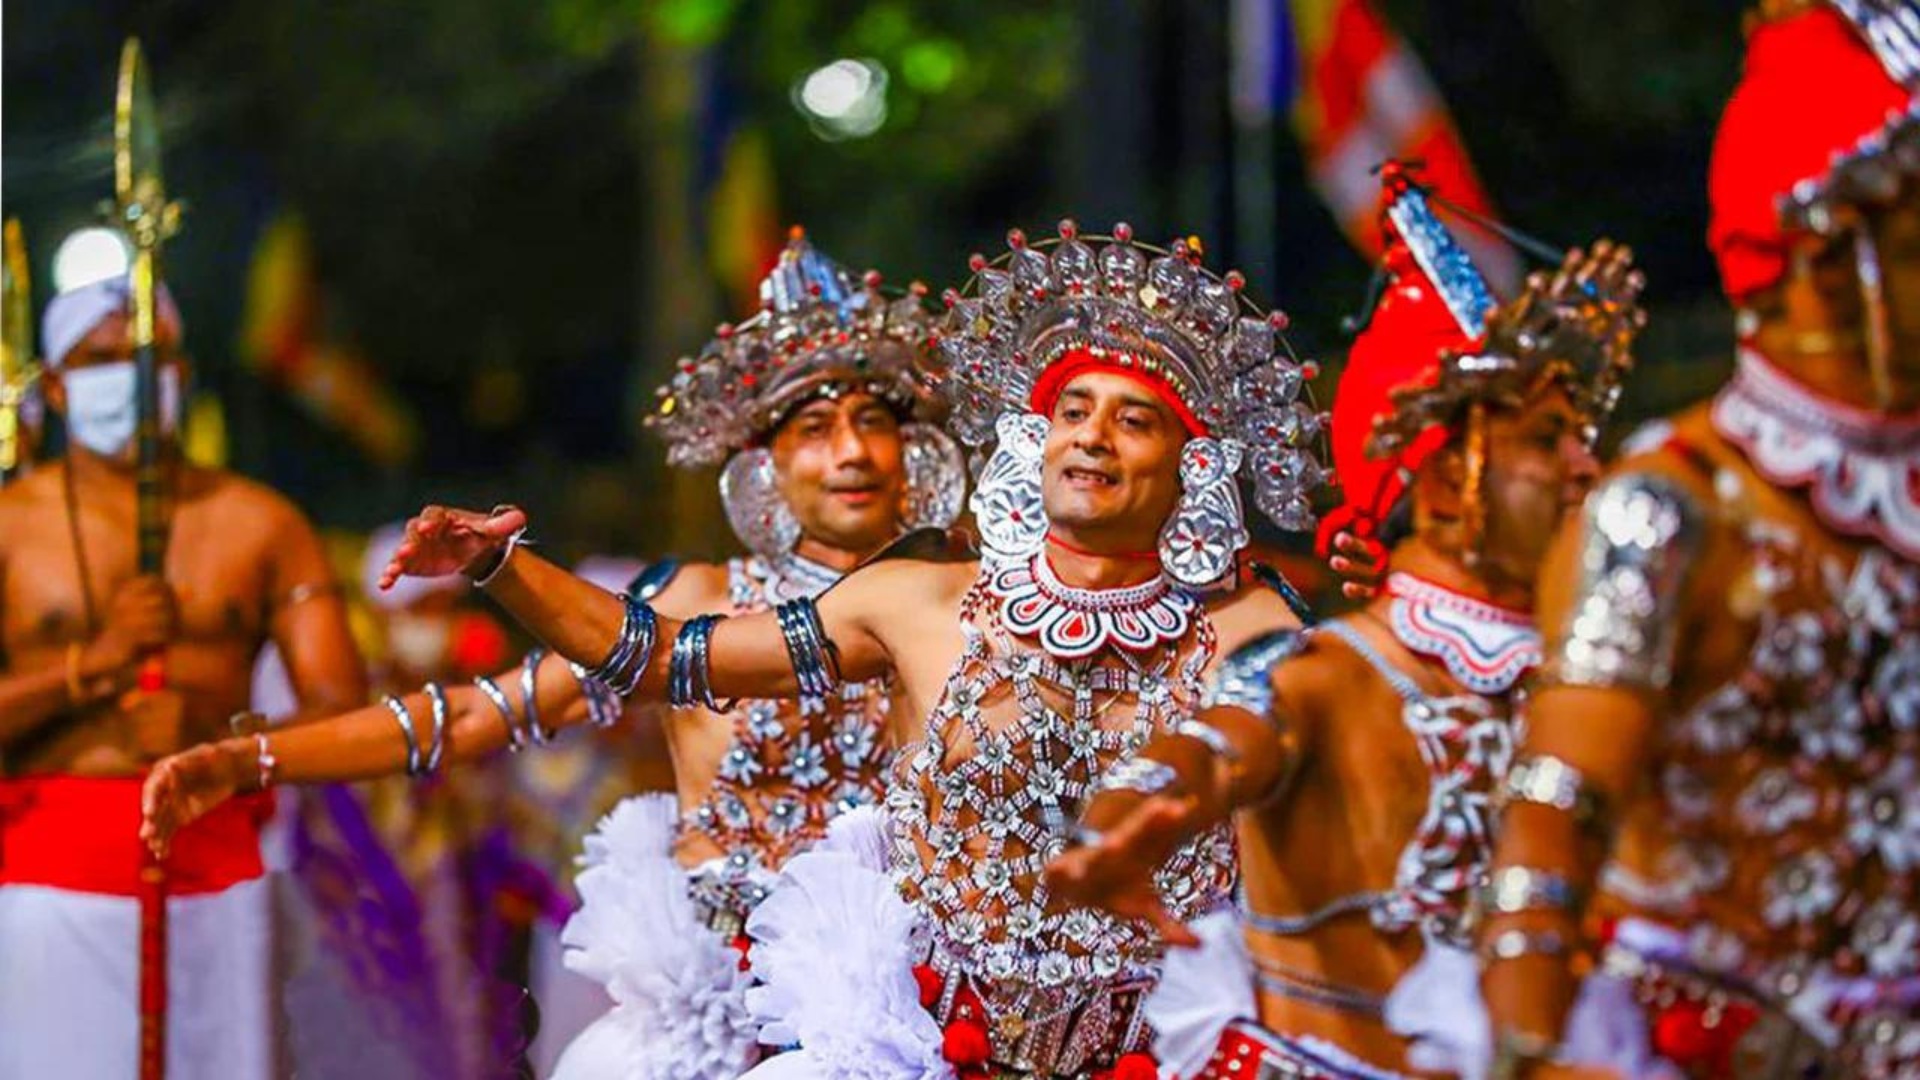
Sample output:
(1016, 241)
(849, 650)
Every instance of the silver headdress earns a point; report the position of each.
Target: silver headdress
(1226, 367)
(818, 333)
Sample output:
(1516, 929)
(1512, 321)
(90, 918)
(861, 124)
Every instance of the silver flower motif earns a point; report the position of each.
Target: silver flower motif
(1800, 890)
(1724, 722)
(1834, 727)
(1793, 647)
(1887, 937)
(806, 763)
(1883, 817)
(1774, 801)
(741, 766)
(1896, 682)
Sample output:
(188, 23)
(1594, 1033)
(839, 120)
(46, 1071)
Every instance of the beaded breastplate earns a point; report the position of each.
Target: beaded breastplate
(1018, 742)
(790, 766)
(1795, 788)
(1466, 742)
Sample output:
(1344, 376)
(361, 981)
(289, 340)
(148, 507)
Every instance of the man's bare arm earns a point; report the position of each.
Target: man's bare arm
(749, 655)
(309, 621)
(1610, 602)
(1237, 753)
(364, 744)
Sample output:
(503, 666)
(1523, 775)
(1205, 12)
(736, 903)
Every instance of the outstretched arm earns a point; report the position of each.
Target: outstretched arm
(1234, 754)
(370, 742)
(751, 656)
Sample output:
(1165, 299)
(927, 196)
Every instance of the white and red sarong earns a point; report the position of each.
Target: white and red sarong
(70, 860)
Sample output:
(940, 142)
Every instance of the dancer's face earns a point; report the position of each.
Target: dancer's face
(1111, 475)
(839, 465)
(1538, 470)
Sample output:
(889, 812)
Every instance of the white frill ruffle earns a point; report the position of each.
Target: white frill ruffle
(833, 948)
(679, 994)
(1438, 1006)
(1200, 992)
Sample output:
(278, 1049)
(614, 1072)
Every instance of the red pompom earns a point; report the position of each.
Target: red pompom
(479, 644)
(1136, 1066)
(930, 983)
(965, 1044)
(742, 944)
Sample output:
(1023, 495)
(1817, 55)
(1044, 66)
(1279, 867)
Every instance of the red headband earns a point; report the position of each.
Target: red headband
(1078, 361)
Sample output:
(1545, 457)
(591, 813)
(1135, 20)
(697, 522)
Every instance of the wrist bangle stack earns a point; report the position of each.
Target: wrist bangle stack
(603, 705)
(1513, 944)
(689, 668)
(1547, 780)
(815, 663)
(626, 662)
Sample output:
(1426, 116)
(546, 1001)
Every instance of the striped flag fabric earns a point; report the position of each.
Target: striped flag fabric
(1356, 95)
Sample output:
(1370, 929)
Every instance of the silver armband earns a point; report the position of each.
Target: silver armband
(1512, 944)
(437, 699)
(1139, 774)
(626, 662)
(1639, 535)
(404, 717)
(516, 735)
(1514, 889)
(603, 705)
(1212, 737)
(1546, 780)
(1244, 677)
(815, 663)
(689, 667)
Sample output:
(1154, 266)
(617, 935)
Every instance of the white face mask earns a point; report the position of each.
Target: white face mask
(101, 412)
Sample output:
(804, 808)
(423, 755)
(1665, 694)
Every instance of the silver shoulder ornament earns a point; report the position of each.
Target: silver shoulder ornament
(1639, 536)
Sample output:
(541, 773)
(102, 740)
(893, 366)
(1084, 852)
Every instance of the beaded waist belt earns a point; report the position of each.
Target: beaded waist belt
(1061, 1031)
(722, 901)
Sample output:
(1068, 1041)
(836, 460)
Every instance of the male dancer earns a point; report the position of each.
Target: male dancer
(1733, 627)
(1361, 755)
(816, 407)
(76, 622)
(1126, 388)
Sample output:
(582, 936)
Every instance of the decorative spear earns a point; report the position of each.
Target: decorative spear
(149, 219)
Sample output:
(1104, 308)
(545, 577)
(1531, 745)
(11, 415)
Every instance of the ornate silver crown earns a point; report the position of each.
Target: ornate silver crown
(1156, 309)
(818, 332)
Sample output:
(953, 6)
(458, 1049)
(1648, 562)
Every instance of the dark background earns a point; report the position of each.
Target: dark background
(505, 199)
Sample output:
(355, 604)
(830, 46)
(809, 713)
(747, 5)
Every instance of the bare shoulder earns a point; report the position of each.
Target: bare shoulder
(1247, 612)
(239, 499)
(23, 498)
(900, 581)
(1317, 674)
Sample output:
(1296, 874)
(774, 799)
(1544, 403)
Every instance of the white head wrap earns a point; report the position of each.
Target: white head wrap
(72, 315)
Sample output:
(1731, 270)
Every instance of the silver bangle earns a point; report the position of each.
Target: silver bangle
(529, 687)
(1513, 944)
(404, 717)
(689, 668)
(627, 661)
(438, 699)
(1214, 739)
(264, 759)
(515, 541)
(815, 665)
(1547, 780)
(603, 705)
(1514, 889)
(516, 736)
(1139, 774)
(1083, 836)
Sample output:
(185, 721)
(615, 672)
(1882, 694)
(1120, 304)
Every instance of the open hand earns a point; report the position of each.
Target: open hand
(182, 789)
(443, 540)
(1114, 872)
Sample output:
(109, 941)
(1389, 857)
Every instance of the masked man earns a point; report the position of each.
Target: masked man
(1362, 756)
(76, 623)
(1733, 627)
(817, 410)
